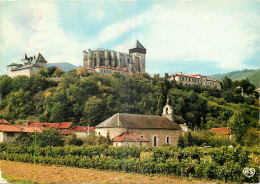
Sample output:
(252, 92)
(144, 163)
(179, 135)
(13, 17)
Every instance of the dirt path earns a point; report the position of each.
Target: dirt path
(62, 174)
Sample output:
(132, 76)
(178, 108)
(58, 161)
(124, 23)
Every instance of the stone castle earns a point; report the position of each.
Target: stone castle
(29, 67)
(132, 62)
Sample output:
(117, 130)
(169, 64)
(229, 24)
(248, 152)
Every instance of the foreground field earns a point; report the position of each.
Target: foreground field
(57, 174)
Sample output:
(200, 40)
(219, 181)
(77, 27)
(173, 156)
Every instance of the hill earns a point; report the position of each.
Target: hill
(63, 65)
(252, 75)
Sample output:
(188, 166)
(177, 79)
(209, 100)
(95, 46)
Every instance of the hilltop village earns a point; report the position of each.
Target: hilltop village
(130, 115)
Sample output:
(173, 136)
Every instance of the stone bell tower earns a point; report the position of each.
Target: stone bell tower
(168, 111)
(139, 51)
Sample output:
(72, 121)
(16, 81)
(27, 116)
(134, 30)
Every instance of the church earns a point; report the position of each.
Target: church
(141, 130)
(108, 61)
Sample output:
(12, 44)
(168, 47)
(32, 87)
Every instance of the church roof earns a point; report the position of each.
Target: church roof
(138, 45)
(129, 137)
(137, 121)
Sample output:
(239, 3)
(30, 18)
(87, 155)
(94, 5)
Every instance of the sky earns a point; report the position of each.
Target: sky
(199, 36)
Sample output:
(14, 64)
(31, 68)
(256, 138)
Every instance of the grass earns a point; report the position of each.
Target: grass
(11, 179)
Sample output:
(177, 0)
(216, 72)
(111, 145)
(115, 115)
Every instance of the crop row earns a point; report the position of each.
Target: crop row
(216, 163)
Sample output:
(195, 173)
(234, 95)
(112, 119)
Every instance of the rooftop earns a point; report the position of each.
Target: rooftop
(129, 137)
(223, 130)
(137, 121)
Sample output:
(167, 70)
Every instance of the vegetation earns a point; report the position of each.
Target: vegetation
(212, 163)
(252, 75)
(206, 138)
(97, 97)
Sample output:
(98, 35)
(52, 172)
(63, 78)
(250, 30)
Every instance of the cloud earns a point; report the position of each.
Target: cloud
(199, 32)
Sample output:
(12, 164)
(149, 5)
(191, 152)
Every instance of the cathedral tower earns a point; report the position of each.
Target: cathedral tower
(139, 51)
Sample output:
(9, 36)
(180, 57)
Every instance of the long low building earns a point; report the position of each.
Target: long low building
(9, 133)
(196, 79)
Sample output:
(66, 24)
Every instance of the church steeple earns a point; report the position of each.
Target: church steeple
(168, 111)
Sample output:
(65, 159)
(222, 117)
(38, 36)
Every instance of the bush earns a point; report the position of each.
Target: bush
(49, 137)
(73, 140)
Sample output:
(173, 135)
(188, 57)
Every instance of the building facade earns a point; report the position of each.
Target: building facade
(132, 62)
(29, 67)
(141, 130)
(196, 79)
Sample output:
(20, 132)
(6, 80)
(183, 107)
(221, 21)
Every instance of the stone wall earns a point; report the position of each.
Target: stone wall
(161, 134)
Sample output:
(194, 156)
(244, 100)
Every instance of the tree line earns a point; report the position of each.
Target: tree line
(97, 97)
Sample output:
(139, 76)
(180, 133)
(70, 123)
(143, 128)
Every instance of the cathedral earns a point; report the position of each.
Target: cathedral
(132, 62)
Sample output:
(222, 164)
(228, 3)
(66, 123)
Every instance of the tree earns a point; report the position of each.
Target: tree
(49, 137)
(5, 85)
(58, 72)
(94, 110)
(51, 70)
(74, 140)
(227, 83)
(190, 141)
(181, 142)
(239, 124)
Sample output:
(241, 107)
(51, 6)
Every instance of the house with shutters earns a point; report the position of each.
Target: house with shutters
(141, 130)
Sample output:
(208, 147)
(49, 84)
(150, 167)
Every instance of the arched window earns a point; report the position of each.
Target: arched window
(166, 110)
(154, 141)
(168, 140)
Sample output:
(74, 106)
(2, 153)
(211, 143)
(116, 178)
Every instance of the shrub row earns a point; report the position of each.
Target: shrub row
(215, 163)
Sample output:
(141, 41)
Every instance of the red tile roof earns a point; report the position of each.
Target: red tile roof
(208, 79)
(19, 128)
(88, 69)
(83, 129)
(3, 121)
(66, 132)
(112, 68)
(129, 137)
(63, 125)
(223, 130)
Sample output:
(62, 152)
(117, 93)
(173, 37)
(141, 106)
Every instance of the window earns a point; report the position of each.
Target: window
(166, 110)
(154, 141)
(98, 133)
(10, 134)
(142, 136)
(168, 140)
(116, 144)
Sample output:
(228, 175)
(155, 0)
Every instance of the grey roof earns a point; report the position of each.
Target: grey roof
(40, 58)
(13, 64)
(25, 66)
(138, 45)
(137, 121)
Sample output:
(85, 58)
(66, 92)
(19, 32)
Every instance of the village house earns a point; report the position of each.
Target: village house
(8, 133)
(184, 128)
(222, 131)
(196, 79)
(141, 130)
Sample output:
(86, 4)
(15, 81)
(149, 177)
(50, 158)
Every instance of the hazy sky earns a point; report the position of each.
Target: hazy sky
(198, 36)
